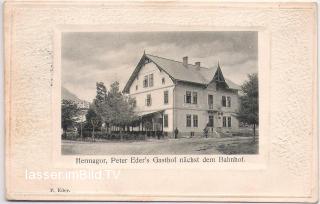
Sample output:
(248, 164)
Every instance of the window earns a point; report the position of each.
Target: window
(228, 101)
(163, 80)
(224, 121)
(210, 101)
(165, 97)
(145, 81)
(134, 103)
(150, 80)
(165, 120)
(195, 120)
(148, 100)
(136, 87)
(195, 97)
(229, 121)
(188, 97)
(223, 101)
(210, 123)
(188, 122)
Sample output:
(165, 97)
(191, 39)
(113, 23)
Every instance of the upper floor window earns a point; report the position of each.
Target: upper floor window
(195, 120)
(145, 81)
(136, 87)
(195, 97)
(210, 101)
(150, 80)
(188, 120)
(163, 80)
(165, 120)
(148, 100)
(166, 97)
(188, 97)
(224, 103)
(228, 101)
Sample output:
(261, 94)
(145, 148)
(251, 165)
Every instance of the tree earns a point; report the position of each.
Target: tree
(100, 103)
(69, 114)
(93, 119)
(249, 103)
(113, 107)
(101, 93)
(121, 107)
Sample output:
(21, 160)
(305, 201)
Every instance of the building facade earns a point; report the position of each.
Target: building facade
(171, 94)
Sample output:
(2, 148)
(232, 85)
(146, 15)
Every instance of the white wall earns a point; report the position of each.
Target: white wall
(202, 107)
(176, 108)
(156, 91)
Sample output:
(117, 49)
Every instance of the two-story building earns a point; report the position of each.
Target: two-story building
(171, 94)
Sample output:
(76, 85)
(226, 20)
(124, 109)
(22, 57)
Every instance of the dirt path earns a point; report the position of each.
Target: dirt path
(166, 146)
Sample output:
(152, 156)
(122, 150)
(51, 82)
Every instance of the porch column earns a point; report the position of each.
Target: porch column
(162, 122)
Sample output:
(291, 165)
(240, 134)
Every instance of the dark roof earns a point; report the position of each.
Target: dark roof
(177, 71)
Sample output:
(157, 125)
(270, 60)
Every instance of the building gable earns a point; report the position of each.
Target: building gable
(146, 68)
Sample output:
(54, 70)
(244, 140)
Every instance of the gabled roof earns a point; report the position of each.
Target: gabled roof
(178, 72)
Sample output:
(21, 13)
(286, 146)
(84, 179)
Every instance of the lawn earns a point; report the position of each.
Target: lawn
(235, 145)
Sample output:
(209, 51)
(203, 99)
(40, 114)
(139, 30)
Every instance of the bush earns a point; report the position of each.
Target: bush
(114, 135)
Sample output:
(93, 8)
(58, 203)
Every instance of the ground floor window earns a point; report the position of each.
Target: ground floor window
(229, 121)
(188, 121)
(210, 123)
(165, 120)
(195, 120)
(224, 121)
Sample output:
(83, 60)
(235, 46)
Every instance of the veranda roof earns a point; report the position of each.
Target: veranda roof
(148, 113)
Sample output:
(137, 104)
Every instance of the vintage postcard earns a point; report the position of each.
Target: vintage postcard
(161, 101)
(142, 98)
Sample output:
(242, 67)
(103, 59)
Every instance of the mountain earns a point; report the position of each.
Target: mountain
(67, 95)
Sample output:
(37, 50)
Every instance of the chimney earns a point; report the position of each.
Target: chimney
(185, 61)
(197, 65)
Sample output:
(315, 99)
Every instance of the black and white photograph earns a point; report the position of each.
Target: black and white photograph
(159, 93)
(161, 101)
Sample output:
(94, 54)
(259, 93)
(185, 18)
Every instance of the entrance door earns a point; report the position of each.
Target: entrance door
(211, 123)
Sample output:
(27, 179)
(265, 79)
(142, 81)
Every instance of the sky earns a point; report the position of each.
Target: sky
(90, 57)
